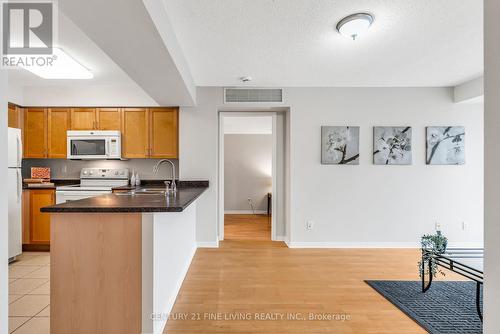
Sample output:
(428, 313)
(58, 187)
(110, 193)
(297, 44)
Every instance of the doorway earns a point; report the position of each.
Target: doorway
(250, 176)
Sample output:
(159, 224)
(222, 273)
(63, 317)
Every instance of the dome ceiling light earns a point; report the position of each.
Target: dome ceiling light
(355, 25)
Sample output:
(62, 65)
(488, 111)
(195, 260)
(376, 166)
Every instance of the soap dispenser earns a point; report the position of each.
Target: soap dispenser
(137, 179)
(132, 178)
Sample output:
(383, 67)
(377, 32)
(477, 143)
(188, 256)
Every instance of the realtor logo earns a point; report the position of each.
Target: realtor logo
(28, 28)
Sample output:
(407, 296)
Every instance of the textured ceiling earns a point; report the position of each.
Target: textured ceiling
(293, 42)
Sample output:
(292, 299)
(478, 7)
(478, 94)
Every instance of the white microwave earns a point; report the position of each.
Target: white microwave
(88, 145)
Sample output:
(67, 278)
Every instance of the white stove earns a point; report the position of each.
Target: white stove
(93, 182)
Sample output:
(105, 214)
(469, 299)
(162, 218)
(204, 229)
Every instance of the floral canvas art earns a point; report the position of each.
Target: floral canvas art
(392, 145)
(445, 145)
(340, 145)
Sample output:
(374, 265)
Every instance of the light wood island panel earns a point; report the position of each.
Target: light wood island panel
(96, 270)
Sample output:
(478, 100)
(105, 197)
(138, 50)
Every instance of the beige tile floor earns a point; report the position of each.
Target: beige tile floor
(29, 294)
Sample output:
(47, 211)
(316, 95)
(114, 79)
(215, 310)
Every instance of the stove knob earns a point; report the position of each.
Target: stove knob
(85, 172)
(91, 172)
(116, 173)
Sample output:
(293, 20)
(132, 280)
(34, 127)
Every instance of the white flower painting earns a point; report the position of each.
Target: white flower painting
(340, 145)
(445, 145)
(392, 145)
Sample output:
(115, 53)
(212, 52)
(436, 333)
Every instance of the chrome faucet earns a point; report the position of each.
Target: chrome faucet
(172, 187)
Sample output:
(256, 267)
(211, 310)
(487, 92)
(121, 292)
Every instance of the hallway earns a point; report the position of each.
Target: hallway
(247, 227)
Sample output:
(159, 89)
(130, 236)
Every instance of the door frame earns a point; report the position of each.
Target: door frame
(220, 211)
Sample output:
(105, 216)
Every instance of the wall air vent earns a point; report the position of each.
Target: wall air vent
(253, 95)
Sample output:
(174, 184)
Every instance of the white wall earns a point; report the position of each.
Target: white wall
(492, 168)
(168, 245)
(84, 95)
(363, 205)
(247, 171)
(198, 156)
(15, 94)
(4, 231)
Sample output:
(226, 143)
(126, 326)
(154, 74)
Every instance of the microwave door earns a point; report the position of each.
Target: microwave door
(91, 148)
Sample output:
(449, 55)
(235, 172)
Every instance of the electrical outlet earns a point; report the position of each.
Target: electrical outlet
(465, 226)
(438, 226)
(309, 225)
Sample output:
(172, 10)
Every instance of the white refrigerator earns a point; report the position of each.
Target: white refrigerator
(14, 188)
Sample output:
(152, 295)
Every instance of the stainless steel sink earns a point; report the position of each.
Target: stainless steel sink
(149, 190)
(143, 191)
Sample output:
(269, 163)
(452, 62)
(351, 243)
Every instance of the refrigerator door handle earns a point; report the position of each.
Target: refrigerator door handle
(18, 186)
(19, 150)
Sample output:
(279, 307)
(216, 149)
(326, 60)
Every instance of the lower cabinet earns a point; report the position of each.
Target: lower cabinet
(36, 224)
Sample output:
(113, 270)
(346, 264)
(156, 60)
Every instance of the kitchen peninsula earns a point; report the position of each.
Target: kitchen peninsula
(118, 260)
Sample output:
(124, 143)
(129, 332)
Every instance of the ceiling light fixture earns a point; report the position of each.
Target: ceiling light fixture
(63, 66)
(355, 25)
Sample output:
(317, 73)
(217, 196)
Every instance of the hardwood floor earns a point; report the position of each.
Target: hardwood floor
(247, 227)
(255, 279)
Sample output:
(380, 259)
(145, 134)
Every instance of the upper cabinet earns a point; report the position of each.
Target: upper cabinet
(35, 133)
(164, 133)
(146, 132)
(135, 134)
(109, 119)
(150, 133)
(15, 116)
(83, 119)
(58, 123)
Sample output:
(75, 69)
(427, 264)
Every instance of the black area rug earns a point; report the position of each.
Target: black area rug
(446, 308)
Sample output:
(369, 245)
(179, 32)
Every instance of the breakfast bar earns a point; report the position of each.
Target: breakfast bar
(118, 260)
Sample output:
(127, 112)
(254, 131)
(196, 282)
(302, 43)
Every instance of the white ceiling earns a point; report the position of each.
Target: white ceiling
(293, 42)
(79, 46)
(261, 125)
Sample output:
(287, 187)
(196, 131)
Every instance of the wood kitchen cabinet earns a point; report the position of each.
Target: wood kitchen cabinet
(135, 134)
(146, 132)
(109, 119)
(58, 123)
(15, 116)
(83, 119)
(164, 133)
(25, 214)
(35, 133)
(36, 225)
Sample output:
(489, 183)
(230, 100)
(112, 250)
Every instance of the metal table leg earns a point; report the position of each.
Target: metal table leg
(426, 287)
(478, 300)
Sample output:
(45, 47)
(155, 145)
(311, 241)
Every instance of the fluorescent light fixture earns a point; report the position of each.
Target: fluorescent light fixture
(62, 66)
(355, 25)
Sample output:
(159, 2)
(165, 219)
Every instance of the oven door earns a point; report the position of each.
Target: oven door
(86, 148)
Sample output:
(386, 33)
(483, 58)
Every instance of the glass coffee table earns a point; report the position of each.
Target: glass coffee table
(467, 262)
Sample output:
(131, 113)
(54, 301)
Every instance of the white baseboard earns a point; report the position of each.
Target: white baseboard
(281, 238)
(308, 244)
(323, 244)
(208, 244)
(245, 212)
(466, 244)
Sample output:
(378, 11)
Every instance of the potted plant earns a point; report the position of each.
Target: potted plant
(432, 245)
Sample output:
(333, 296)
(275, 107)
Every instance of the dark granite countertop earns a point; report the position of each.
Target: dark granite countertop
(56, 182)
(161, 184)
(123, 203)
